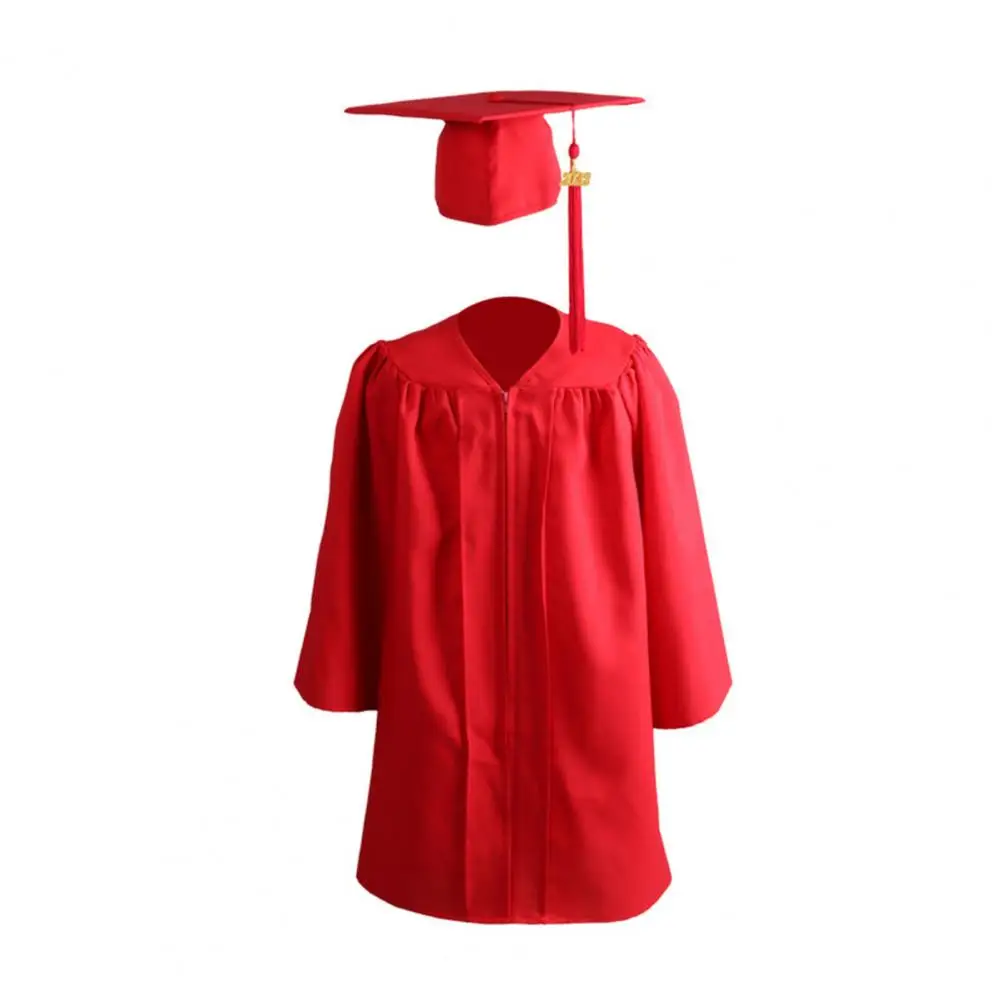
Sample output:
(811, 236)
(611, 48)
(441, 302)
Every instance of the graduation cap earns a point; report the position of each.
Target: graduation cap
(496, 162)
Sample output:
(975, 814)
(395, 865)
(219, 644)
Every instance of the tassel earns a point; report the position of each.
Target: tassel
(575, 179)
(576, 273)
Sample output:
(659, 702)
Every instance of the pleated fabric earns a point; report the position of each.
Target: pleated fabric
(513, 572)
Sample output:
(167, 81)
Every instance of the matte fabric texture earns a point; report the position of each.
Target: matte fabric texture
(492, 173)
(493, 105)
(495, 159)
(513, 572)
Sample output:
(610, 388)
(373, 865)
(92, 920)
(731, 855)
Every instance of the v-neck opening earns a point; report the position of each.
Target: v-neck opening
(508, 337)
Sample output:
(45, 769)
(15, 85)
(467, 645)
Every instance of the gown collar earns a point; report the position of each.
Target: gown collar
(551, 360)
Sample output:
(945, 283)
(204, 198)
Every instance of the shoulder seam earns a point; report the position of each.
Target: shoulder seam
(394, 364)
(637, 342)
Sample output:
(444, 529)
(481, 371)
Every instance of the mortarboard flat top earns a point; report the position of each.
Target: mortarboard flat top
(493, 105)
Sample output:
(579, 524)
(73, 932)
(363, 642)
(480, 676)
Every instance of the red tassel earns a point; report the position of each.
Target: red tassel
(576, 247)
(576, 273)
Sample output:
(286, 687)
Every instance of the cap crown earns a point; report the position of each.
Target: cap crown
(496, 171)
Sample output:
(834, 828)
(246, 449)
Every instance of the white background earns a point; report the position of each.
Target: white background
(804, 221)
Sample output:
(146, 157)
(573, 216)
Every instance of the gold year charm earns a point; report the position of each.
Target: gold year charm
(574, 178)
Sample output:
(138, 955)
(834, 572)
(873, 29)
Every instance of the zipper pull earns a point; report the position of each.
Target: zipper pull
(504, 398)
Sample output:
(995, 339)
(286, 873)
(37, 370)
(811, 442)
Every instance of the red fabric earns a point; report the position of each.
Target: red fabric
(495, 158)
(513, 572)
(493, 105)
(578, 326)
(575, 245)
(496, 172)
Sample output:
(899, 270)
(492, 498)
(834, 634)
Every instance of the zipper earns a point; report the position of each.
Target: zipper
(506, 648)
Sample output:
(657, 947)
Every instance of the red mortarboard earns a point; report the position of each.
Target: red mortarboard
(496, 162)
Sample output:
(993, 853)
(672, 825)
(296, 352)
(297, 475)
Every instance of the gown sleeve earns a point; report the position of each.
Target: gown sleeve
(689, 671)
(338, 667)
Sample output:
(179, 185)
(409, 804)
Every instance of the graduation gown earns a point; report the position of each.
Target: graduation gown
(512, 571)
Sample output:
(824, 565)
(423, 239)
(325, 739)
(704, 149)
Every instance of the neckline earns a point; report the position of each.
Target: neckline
(531, 372)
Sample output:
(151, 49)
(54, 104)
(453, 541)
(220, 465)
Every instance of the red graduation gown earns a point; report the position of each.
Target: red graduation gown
(513, 573)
